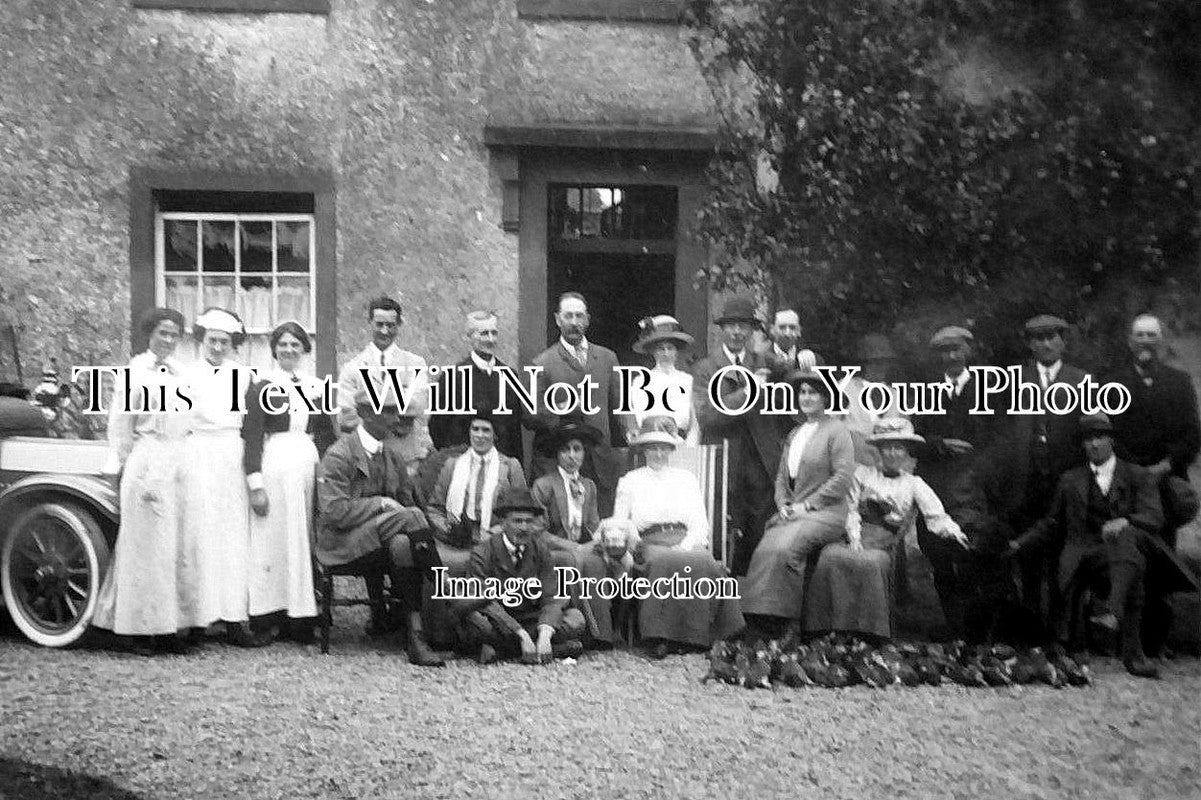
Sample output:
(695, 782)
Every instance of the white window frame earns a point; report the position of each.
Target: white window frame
(161, 273)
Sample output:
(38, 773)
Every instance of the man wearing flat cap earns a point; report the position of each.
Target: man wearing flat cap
(536, 628)
(1103, 522)
(754, 438)
(953, 441)
(1045, 445)
(368, 514)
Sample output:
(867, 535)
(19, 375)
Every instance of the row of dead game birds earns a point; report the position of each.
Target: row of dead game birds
(837, 660)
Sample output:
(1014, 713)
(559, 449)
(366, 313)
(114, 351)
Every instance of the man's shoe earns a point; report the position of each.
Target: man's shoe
(421, 654)
(572, 648)
(241, 635)
(1141, 668)
(487, 654)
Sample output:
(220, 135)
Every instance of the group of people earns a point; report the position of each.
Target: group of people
(218, 519)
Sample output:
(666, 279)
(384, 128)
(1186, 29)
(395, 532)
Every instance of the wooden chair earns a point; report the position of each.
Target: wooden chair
(710, 464)
(379, 596)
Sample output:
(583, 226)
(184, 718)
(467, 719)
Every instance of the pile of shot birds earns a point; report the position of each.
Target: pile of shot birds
(837, 660)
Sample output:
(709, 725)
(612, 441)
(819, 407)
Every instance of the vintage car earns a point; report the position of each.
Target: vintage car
(58, 525)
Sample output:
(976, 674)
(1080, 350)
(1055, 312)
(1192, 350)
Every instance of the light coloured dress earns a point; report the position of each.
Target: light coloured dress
(284, 464)
(216, 510)
(676, 386)
(672, 496)
(142, 592)
(852, 591)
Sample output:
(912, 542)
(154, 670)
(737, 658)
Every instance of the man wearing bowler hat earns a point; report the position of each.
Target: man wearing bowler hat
(754, 438)
(538, 629)
(1104, 522)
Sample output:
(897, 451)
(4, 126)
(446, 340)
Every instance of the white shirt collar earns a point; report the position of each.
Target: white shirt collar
(784, 353)
(959, 382)
(512, 548)
(486, 366)
(582, 347)
(1050, 371)
(567, 476)
(730, 354)
(369, 442)
(374, 353)
(1105, 468)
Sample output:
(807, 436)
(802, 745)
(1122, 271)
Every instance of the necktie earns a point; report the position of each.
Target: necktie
(477, 483)
(581, 357)
(1045, 374)
(577, 488)
(383, 362)
(518, 553)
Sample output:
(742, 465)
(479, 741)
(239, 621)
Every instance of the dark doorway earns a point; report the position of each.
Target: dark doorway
(616, 246)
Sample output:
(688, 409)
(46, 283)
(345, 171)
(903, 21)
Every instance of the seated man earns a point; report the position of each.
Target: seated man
(1105, 516)
(537, 629)
(367, 514)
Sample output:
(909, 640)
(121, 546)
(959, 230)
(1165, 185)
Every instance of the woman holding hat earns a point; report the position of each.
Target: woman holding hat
(280, 460)
(663, 338)
(140, 594)
(851, 588)
(811, 486)
(666, 506)
(216, 513)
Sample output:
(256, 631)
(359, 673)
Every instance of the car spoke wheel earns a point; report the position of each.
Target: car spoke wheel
(51, 566)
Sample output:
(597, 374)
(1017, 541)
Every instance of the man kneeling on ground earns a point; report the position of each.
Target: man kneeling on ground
(539, 627)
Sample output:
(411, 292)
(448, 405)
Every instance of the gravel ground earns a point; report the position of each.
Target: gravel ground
(287, 722)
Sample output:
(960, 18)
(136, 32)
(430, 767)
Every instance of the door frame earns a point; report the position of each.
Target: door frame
(539, 167)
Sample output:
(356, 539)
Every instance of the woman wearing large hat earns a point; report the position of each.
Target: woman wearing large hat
(568, 498)
(851, 588)
(663, 338)
(666, 506)
(811, 487)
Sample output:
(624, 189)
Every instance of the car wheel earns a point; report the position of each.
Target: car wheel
(52, 563)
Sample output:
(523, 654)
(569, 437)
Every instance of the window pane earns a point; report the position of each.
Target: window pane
(181, 296)
(254, 302)
(294, 301)
(292, 246)
(219, 292)
(613, 212)
(256, 351)
(179, 245)
(255, 241)
(218, 255)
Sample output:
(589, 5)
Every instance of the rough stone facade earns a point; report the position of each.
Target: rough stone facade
(390, 97)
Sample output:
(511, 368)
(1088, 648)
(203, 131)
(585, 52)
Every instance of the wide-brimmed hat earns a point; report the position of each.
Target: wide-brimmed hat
(516, 499)
(810, 377)
(951, 334)
(1092, 424)
(650, 432)
(739, 309)
(1045, 322)
(660, 328)
(569, 428)
(894, 429)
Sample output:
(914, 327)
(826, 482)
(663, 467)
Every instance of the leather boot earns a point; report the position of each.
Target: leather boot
(420, 653)
(1133, 657)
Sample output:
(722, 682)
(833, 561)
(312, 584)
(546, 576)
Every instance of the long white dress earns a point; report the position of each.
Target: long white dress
(142, 592)
(281, 567)
(216, 510)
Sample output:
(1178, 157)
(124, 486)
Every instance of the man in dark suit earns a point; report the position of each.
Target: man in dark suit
(1104, 520)
(368, 515)
(1160, 430)
(784, 353)
(755, 439)
(450, 430)
(569, 361)
(953, 440)
(1047, 445)
(538, 629)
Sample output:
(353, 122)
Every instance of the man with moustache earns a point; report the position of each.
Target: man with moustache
(569, 361)
(449, 430)
(785, 353)
(755, 439)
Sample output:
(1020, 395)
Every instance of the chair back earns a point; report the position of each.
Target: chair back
(710, 464)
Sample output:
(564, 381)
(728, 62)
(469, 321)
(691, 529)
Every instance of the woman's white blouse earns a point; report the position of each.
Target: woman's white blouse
(669, 495)
(676, 387)
(907, 493)
(213, 392)
(796, 446)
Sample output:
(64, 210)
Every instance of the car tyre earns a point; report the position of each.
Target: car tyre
(52, 563)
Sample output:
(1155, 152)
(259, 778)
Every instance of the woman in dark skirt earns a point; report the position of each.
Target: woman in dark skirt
(280, 459)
